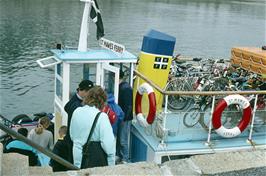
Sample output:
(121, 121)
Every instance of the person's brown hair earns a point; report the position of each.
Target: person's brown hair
(43, 124)
(62, 130)
(96, 97)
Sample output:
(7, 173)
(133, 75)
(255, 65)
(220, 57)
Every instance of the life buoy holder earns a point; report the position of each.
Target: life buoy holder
(145, 88)
(217, 114)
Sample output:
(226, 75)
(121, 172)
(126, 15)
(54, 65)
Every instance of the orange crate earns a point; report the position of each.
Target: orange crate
(235, 53)
(245, 64)
(250, 58)
(255, 67)
(256, 59)
(263, 70)
(235, 61)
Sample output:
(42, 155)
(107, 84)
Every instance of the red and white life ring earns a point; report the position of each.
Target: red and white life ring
(216, 117)
(145, 88)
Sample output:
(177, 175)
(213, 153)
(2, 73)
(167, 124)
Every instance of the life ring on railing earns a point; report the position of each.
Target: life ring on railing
(216, 117)
(145, 88)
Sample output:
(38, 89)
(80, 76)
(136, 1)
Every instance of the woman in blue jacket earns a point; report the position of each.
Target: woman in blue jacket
(81, 124)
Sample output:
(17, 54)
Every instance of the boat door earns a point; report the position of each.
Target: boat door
(110, 79)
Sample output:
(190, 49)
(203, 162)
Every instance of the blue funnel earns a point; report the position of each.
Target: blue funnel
(156, 42)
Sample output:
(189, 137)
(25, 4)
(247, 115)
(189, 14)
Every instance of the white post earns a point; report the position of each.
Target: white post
(65, 92)
(84, 29)
(131, 74)
(164, 118)
(210, 122)
(253, 118)
(99, 74)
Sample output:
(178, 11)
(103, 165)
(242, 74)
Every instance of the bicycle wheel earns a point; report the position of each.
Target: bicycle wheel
(205, 117)
(191, 118)
(177, 102)
(230, 117)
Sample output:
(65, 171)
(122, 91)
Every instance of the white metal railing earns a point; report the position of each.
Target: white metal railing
(205, 93)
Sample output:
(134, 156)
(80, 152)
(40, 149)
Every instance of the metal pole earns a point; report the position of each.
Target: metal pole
(164, 118)
(84, 29)
(38, 147)
(253, 117)
(210, 123)
(165, 104)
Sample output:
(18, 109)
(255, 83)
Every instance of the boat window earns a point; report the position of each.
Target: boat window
(59, 70)
(58, 88)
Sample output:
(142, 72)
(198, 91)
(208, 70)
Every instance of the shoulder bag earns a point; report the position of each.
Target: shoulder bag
(93, 154)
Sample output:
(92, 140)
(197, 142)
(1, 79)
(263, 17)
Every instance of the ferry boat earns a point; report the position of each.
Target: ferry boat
(157, 133)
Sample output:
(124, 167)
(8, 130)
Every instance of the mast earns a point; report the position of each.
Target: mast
(84, 29)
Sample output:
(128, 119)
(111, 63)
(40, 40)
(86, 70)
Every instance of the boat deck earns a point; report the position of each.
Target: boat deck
(181, 140)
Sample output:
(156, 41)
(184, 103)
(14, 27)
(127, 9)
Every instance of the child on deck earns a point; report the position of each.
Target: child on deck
(60, 150)
(17, 146)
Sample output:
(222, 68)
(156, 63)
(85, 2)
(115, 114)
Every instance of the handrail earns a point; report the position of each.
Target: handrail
(196, 92)
(149, 81)
(38, 147)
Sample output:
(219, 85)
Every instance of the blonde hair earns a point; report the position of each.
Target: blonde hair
(44, 123)
(96, 97)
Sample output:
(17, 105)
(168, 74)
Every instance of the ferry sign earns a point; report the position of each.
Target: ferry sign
(108, 44)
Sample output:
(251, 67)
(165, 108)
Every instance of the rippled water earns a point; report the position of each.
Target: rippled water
(29, 28)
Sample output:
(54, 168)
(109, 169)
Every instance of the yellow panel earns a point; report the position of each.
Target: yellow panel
(156, 68)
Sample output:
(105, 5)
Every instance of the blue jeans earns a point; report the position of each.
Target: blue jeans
(122, 147)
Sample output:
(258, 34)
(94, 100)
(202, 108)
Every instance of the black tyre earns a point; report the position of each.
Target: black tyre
(21, 118)
(205, 117)
(177, 102)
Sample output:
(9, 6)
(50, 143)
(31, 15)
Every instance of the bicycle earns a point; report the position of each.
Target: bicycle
(178, 102)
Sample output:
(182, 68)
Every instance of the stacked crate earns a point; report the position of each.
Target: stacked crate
(249, 58)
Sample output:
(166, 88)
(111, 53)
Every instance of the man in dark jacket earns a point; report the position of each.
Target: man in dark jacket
(71, 106)
(125, 100)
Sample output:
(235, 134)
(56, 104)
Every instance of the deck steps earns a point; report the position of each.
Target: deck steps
(230, 161)
(140, 168)
(14, 164)
(40, 171)
(218, 163)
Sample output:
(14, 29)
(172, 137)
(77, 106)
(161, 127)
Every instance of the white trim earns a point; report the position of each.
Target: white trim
(228, 133)
(100, 61)
(142, 121)
(98, 73)
(145, 88)
(237, 99)
(59, 103)
(203, 151)
(115, 70)
(131, 74)
(65, 87)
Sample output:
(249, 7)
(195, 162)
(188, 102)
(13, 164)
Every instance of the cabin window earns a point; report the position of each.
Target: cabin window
(59, 89)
